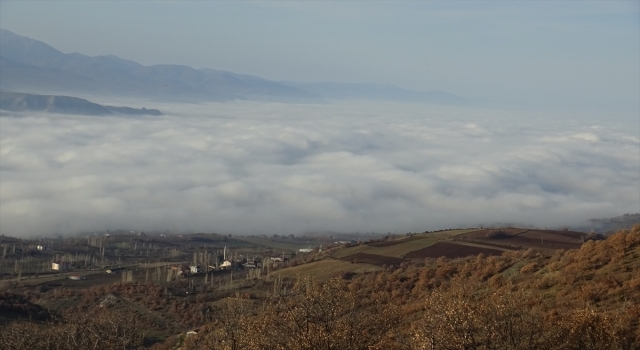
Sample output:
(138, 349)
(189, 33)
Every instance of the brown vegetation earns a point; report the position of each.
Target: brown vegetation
(99, 330)
(584, 298)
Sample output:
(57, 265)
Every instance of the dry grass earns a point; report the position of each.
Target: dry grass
(325, 269)
(341, 253)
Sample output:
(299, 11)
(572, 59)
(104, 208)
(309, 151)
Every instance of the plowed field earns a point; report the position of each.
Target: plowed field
(451, 250)
(517, 237)
(373, 259)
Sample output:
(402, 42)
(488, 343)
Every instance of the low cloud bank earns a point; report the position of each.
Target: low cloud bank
(255, 168)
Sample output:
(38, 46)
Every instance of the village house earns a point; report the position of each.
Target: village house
(60, 266)
(194, 269)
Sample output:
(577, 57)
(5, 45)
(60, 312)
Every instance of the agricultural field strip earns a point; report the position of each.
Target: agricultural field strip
(325, 269)
(447, 234)
(551, 236)
(401, 246)
(341, 253)
(398, 250)
(374, 259)
(449, 249)
(277, 245)
(480, 245)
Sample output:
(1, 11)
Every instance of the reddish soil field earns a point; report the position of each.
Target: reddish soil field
(568, 234)
(394, 242)
(450, 250)
(537, 242)
(517, 237)
(503, 245)
(373, 259)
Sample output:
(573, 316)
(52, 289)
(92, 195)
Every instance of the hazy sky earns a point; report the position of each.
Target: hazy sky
(563, 148)
(576, 55)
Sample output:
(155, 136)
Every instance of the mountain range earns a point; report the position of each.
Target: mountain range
(29, 65)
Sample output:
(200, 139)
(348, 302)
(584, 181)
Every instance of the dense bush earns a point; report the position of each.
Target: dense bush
(99, 330)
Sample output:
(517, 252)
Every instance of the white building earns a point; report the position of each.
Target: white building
(195, 269)
(60, 266)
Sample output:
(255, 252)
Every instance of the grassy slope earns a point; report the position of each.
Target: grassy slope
(325, 269)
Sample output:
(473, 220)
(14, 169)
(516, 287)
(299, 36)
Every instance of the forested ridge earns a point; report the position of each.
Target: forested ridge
(586, 298)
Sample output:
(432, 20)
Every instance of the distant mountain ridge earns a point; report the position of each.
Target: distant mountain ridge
(341, 91)
(32, 66)
(20, 102)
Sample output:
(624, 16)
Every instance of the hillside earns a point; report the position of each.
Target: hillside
(581, 298)
(394, 251)
(20, 102)
(584, 298)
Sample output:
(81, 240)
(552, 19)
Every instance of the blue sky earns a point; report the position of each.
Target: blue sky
(578, 56)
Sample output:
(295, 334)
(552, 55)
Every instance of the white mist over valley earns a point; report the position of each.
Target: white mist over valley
(272, 168)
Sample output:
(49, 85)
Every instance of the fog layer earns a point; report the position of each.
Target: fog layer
(258, 168)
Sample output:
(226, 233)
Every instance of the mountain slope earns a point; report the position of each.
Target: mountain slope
(31, 65)
(18, 102)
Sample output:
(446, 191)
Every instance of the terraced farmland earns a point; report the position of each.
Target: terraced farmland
(526, 238)
(395, 248)
(373, 259)
(450, 244)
